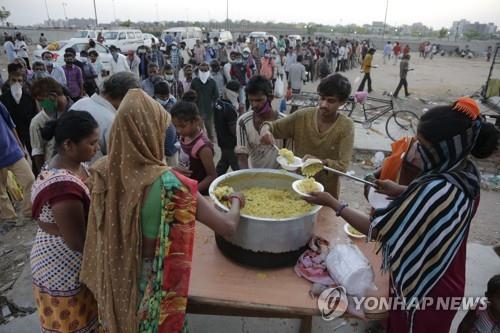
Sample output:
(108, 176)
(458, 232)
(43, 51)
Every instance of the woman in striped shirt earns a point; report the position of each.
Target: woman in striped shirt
(423, 232)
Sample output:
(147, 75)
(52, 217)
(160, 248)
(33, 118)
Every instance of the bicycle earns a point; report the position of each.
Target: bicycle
(400, 123)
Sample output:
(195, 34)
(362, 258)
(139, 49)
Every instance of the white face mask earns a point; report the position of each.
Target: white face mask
(16, 90)
(204, 76)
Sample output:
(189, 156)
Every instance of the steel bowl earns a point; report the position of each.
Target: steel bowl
(256, 235)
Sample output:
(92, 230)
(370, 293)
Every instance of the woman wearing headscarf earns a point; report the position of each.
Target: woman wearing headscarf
(423, 232)
(137, 259)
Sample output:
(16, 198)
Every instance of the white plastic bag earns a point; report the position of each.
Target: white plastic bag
(279, 88)
(349, 267)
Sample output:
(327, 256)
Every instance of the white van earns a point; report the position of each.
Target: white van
(89, 34)
(223, 36)
(261, 35)
(186, 34)
(123, 39)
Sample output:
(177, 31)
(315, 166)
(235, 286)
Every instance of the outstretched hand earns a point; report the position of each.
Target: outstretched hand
(389, 188)
(321, 199)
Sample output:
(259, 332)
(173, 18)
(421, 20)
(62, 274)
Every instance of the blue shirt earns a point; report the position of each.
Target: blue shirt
(171, 133)
(10, 152)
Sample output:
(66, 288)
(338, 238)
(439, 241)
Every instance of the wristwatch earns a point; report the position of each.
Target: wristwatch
(343, 205)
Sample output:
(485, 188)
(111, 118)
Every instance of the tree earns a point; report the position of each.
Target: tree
(472, 34)
(443, 33)
(4, 14)
(126, 23)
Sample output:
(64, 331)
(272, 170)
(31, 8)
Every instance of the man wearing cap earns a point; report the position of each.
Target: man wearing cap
(55, 72)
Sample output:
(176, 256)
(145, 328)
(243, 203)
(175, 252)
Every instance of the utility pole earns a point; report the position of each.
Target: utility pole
(385, 18)
(95, 13)
(64, 5)
(114, 10)
(227, 15)
(47, 9)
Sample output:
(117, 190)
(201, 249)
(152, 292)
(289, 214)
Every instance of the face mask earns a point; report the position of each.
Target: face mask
(83, 59)
(39, 74)
(204, 76)
(245, 55)
(174, 47)
(266, 56)
(265, 109)
(16, 90)
(169, 77)
(49, 106)
(162, 102)
(47, 62)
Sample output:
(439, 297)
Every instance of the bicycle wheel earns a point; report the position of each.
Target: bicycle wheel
(348, 108)
(401, 123)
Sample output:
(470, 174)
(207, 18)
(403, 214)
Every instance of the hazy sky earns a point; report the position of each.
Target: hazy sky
(435, 13)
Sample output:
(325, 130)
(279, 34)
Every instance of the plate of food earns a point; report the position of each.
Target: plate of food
(307, 185)
(288, 160)
(351, 231)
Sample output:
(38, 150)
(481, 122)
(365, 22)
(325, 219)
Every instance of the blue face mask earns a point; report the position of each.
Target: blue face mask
(163, 102)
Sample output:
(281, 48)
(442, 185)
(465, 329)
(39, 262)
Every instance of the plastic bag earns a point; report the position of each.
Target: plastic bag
(349, 267)
(279, 88)
(13, 189)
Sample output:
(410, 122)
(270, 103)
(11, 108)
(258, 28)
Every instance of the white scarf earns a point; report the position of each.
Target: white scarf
(232, 96)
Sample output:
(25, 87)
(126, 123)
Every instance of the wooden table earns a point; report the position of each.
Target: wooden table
(219, 286)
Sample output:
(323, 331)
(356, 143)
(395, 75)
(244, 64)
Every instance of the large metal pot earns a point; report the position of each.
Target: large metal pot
(262, 241)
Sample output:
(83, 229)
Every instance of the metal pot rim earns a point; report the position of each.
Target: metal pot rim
(229, 175)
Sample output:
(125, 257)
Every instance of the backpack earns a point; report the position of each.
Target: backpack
(324, 68)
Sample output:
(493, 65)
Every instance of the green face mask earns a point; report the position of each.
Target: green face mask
(49, 106)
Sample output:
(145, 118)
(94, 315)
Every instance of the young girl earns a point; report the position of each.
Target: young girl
(196, 159)
(484, 319)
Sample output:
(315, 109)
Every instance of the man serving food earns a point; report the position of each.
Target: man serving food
(320, 132)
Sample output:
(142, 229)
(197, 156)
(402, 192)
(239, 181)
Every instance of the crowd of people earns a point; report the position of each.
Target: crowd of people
(114, 168)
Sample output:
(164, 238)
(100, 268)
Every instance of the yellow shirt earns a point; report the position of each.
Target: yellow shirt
(367, 63)
(333, 145)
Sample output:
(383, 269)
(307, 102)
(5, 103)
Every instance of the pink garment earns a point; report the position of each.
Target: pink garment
(311, 264)
(266, 68)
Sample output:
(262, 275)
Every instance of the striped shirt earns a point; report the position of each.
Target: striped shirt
(248, 143)
(421, 235)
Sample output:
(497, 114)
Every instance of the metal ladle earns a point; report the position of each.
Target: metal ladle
(312, 161)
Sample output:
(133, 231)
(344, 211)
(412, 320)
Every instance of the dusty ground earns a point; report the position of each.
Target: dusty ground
(433, 81)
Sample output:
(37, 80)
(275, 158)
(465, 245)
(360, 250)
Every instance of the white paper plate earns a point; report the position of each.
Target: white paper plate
(346, 229)
(297, 163)
(378, 200)
(295, 186)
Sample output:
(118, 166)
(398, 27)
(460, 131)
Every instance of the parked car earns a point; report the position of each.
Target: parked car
(187, 34)
(58, 48)
(123, 39)
(223, 36)
(86, 34)
(259, 35)
(149, 39)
